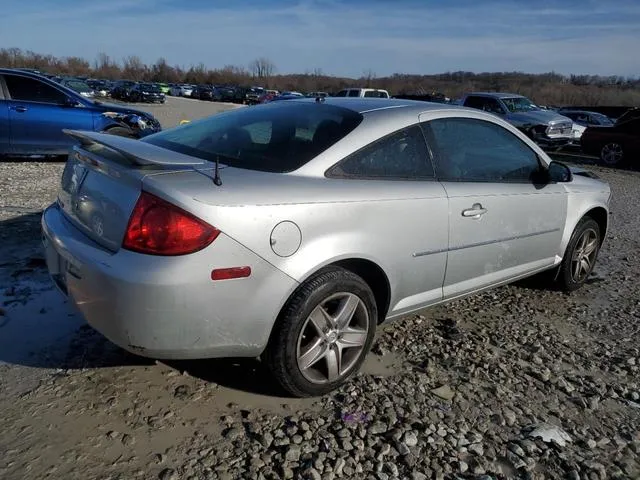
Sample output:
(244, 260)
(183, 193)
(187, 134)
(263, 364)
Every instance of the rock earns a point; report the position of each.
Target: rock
(462, 466)
(266, 439)
(444, 392)
(517, 449)
(338, 466)
(168, 474)
(410, 439)
(476, 448)
(293, 453)
(573, 475)
(391, 468)
(377, 428)
(515, 460)
(509, 417)
(127, 440)
(311, 474)
(403, 449)
(550, 433)
(233, 433)
(418, 476)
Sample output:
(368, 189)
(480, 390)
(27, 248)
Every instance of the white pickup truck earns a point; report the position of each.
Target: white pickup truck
(363, 93)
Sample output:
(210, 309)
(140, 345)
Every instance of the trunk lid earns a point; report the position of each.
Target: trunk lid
(102, 179)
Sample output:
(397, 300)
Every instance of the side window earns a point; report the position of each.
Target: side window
(354, 93)
(341, 93)
(31, 90)
(401, 156)
(474, 102)
(471, 150)
(492, 105)
(375, 94)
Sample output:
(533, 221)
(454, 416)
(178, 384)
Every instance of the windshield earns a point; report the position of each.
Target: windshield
(519, 104)
(277, 137)
(602, 119)
(148, 87)
(78, 85)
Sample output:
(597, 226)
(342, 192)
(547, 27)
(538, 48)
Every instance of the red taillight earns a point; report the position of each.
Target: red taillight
(157, 227)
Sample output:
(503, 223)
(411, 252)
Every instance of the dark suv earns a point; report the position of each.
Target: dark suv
(34, 110)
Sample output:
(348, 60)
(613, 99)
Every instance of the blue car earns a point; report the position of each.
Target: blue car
(34, 110)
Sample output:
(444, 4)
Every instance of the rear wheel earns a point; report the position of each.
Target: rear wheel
(323, 334)
(580, 256)
(612, 154)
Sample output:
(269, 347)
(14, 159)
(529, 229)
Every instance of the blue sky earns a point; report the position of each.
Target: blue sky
(340, 37)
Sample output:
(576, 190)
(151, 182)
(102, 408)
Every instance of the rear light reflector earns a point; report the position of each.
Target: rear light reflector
(157, 227)
(230, 273)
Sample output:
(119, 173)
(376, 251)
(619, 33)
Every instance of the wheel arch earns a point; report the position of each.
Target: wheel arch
(370, 271)
(601, 216)
(597, 212)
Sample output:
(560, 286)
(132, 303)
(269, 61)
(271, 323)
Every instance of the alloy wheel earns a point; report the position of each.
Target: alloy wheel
(584, 255)
(332, 338)
(611, 154)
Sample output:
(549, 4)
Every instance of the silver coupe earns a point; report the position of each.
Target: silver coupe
(290, 231)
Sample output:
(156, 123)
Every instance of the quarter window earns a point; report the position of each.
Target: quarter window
(31, 90)
(471, 150)
(401, 155)
(354, 93)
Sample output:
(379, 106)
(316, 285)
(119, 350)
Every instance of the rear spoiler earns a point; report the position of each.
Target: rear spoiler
(135, 151)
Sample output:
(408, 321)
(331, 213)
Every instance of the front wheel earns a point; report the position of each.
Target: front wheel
(323, 333)
(580, 256)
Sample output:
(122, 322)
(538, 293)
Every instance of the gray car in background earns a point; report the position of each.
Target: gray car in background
(547, 128)
(291, 230)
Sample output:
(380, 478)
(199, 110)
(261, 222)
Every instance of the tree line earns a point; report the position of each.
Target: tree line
(545, 89)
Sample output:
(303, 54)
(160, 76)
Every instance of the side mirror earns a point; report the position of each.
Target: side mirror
(559, 172)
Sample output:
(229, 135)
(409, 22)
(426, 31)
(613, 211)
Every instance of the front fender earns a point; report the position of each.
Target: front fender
(578, 206)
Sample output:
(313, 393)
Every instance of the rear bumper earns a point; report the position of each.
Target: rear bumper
(167, 307)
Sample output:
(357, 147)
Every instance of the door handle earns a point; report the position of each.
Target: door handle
(475, 212)
(19, 108)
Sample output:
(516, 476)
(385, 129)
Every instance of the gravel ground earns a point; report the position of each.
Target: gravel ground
(464, 390)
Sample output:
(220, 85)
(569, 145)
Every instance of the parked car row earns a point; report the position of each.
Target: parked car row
(614, 142)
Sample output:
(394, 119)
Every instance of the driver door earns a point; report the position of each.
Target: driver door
(502, 223)
(37, 115)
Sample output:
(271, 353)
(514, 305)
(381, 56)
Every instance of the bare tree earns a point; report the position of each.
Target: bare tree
(262, 68)
(369, 75)
(133, 68)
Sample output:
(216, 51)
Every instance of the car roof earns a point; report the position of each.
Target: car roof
(365, 105)
(497, 94)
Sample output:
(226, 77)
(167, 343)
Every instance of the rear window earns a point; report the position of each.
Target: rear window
(279, 137)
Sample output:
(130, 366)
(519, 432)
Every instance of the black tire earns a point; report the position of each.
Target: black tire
(121, 132)
(566, 279)
(280, 356)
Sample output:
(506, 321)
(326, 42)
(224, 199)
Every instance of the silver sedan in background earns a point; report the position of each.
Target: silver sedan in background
(290, 231)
